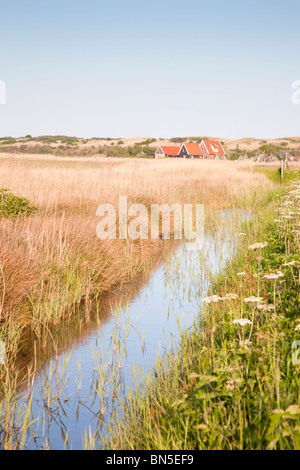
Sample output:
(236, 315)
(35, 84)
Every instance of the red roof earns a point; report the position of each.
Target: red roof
(170, 149)
(194, 149)
(214, 147)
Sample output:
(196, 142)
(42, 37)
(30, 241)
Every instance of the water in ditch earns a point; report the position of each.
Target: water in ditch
(75, 391)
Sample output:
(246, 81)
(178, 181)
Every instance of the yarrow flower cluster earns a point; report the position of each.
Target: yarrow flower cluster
(257, 246)
(242, 322)
(266, 307)
(253, 299)
(245, 342)
(276, 275)
(217, 298)
(232, 384)
(231, 297)
(213, 298)
(291, 263)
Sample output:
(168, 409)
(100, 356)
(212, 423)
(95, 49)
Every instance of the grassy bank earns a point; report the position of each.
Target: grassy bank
(274, 174)
(234, 381)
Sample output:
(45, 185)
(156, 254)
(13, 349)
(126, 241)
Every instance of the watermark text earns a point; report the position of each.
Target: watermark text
(296, 93)
(296, 353)
(2, 352)
(2, 92)
(139, 222)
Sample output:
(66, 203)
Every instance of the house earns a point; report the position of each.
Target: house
(190, 151)
(167, 151)
(212, 149)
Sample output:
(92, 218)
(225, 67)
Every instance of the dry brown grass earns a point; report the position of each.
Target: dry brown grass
(53, 259)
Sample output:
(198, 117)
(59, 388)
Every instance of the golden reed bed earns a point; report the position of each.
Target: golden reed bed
(53, 259)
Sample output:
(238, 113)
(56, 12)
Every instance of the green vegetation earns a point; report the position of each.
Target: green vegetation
(274, 174)
(271, 149)
(128, 152)
(8, 141)
(12, 206)
(47, 139)
(233, 383)
(54, 139)
(148, 141)
(181, 140)
(139, 150)
(267, 149)
(71, 149)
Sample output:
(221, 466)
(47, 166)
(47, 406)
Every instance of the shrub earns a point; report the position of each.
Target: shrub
(42, 149)
(9, 141)
(47, 139)
(12, 206)
(117, 152)
(148, 141)
(271, 149)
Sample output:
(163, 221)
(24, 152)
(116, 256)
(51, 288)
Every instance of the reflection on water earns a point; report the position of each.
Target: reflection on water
(75, 391)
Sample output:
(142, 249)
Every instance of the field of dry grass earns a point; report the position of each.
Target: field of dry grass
(53, 259)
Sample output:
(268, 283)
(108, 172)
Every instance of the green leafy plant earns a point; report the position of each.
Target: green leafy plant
(12, 206)
(8, 141)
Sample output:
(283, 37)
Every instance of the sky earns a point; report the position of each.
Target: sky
(164, 68)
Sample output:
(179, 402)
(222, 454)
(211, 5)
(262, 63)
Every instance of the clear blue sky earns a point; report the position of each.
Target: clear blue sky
(158, 68)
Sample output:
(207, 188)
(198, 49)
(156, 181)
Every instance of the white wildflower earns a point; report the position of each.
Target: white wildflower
(253, 299)
(266, 307)
(246, 342)
(291, 263)
(273, 275)
(213, 298)
(232, 383)
(242, 322)
(231, 297)
(257, 246)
